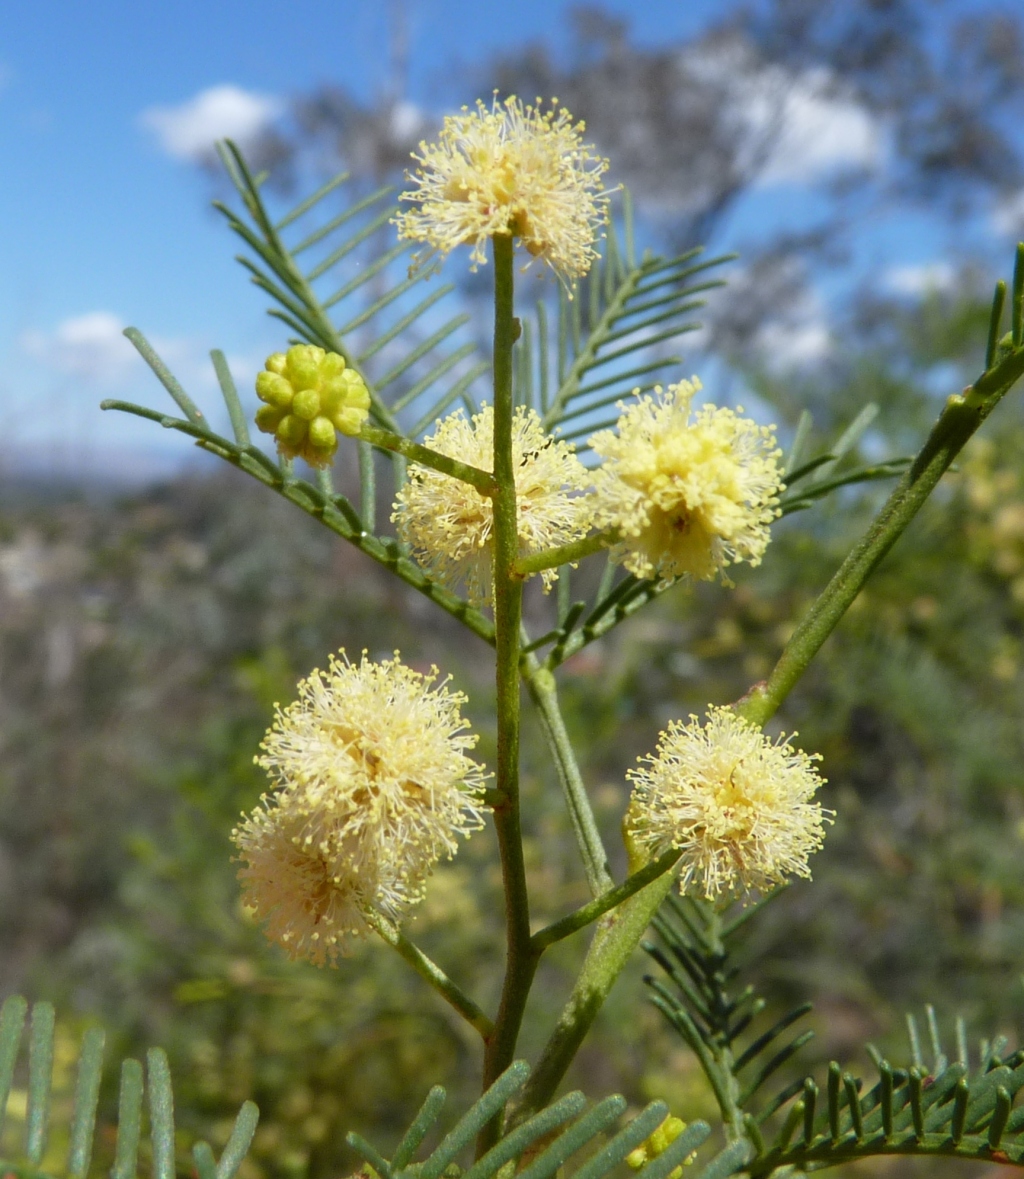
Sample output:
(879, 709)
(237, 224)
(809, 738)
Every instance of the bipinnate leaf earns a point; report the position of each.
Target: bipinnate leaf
(38, 1122)
(561, 1131)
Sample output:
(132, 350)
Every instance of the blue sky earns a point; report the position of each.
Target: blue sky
(101, 225)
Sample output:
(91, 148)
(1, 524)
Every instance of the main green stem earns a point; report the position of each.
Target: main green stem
(521, 962)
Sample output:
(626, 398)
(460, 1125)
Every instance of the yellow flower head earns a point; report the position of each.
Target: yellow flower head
(736, 805)
(688, 493)
(311, 901)
(448, 523)
(511, 169)
(373, 786)
(308, 396)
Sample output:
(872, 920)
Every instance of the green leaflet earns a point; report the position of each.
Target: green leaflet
(928, 1107)
(38, 1121)
(609, 338)
(346, 299)
(823, 472)
(319, 501)
(564, 1129)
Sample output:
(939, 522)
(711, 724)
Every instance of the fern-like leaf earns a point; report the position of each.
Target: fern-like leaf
(34, 1157)
(554, 1136)
(695, 954)
(939, 1108)
(809, 480)
(928, 1106)
(320, 501)
(610, 336)
(347, 300)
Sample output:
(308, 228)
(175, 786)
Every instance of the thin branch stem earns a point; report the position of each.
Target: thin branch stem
(428, 970)
(335, 512)
(602, 904)
(544, 693)
(367, 486)
(961, 417)
(520, 963)
(619, 931)
(617, 935)
(566, 554)
(483, 481)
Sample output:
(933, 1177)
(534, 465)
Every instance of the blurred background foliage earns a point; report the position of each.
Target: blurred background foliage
(144, 638)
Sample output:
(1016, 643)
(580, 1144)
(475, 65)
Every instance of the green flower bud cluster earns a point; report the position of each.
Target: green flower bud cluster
(309, 395)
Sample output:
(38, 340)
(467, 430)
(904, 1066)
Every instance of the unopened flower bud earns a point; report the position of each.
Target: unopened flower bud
(291, 431)
(304, 365)
(310, 395)
(274, 389)
(268, 418)
(657, 1144)
(322, 435)
(306, 404)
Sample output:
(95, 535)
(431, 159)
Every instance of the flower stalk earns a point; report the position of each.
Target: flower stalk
(483, 481)
(431, 973)
(565, 554)
(544, 693)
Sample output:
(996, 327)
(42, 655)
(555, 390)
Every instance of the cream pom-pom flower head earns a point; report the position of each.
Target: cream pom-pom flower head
(373, 785)
(449, 525)
(688, 493)
(738, 807)
(312, 902)
(510, 169)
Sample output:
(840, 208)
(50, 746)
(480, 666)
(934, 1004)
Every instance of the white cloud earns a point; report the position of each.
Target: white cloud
(775, 316)
(924, 279)
(799, 337)
(407, 121)
(1008, 215)
(189, 131)
(92, 348)
(85, 358)
(819, 128)
(787, 345)
(796, 126)
(88, 346)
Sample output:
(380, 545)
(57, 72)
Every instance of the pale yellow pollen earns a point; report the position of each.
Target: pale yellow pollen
(448, 524)
(510, 169)
(737, 806)
(689, 494)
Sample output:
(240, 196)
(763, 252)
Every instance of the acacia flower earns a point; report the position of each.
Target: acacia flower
(310, 395)
(448, 524)
(373, 787)
(736, 805)
(687, 493)
(311, 902)
(511, 169)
